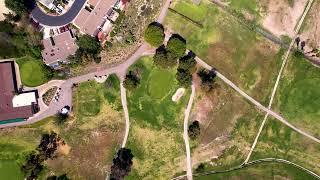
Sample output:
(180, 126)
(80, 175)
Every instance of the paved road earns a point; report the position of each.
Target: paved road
(44, 19)
(185, 133)
(284, 62)
(255, 102)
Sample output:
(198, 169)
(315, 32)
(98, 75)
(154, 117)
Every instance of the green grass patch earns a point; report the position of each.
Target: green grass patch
(195, 12)
(245, 6)
(232, 48)
(156, 123)
(299, 95)
(160, 83)
(10, 170)
(266, 170)
(279, 141)
(32, 72)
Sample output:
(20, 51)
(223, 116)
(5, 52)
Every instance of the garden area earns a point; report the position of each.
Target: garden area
(236, 51)
(33, 72)
(298, 95)
(91, 137)
(155, 136)
(279, 141)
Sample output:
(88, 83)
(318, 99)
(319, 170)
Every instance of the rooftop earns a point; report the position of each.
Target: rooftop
(90, 20)
(59, 47)
(8, 90)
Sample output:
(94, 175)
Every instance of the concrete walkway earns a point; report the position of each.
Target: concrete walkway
(185, 133)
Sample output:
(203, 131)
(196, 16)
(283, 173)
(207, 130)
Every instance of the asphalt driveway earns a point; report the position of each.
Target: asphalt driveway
(44, 19)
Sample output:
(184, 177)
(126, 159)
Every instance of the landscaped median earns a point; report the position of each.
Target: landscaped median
(156, 128)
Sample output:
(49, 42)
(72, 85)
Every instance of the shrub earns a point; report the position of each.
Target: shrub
(207, 79)
(131, 81)
(194, 130)
(154, 34)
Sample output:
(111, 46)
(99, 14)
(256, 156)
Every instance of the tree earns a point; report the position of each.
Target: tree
(20, 7)
(207, 79)
(194, 130)
(121, 166)
(184, 78)
(188, 62)
(154, 34)
(131, 81)
(49, 144)
(89, 49)
(177, 45)
(164, 59)
(61, 177)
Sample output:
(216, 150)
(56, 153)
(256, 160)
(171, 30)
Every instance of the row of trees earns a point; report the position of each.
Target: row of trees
(45, 150)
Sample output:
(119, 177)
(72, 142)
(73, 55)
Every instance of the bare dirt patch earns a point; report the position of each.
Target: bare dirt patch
(3, 10)
(281, 18)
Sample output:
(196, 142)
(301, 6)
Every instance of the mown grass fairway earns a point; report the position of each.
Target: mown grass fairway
(279, 141)
(32, 71)
(237, 52)
(299, 96)
(156, 123)
(268, 170)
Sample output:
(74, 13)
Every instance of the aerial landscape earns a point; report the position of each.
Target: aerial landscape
(159, 89)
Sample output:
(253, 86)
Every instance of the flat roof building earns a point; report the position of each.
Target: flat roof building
(59, 48)
(93, 16)
(14, 104)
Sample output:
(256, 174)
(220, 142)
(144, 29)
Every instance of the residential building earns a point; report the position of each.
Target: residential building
(15, 105)
(58, 48)
(93, 16)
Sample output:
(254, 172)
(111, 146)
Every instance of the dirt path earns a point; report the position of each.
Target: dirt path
(284, 62)
(185, 133)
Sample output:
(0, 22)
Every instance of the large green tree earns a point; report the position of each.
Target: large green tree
(188, 63)
(154, 34)
(184, 78)
(177, 45)
(207, 79)
(164, 59)
(121, 166)
(131, 81)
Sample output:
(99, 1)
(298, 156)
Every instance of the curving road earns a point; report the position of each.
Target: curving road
(47, 20)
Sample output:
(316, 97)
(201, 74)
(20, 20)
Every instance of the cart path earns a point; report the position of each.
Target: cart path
(255, 102)
(284, 62)
(185, 133)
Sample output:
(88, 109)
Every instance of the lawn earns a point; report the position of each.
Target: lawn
(10, 170)
(279, 141)
(298, 95)
(93, 140)
(156, 124)
(267, 170)
(237, 52)
(32, 72)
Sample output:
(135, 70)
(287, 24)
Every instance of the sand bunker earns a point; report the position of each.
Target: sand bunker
(179, 93)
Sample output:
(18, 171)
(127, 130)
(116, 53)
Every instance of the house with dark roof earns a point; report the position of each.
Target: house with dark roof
(15, 105)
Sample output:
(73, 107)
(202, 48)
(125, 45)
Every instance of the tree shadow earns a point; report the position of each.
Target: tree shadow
(177, 36)
(157, 24)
